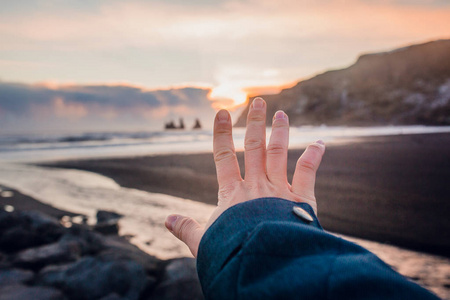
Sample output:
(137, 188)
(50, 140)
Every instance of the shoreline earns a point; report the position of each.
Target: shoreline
(390, 189)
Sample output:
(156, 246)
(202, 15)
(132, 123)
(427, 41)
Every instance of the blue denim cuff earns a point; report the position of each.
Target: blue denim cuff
(225, 236)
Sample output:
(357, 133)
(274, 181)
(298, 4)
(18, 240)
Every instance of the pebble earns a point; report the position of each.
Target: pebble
(7, 194)
(8, 208)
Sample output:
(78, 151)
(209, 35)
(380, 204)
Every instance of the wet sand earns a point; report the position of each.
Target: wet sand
(12, 199)
(391, 189)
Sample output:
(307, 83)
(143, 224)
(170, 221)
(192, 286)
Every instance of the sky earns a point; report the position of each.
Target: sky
(229, 49)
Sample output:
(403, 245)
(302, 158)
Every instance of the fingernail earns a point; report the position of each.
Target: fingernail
(280, 115)
(320, 142)
(222, 115)
(258, 102)
(170, 221)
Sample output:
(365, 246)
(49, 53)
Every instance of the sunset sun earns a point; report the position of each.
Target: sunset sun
(228, 96)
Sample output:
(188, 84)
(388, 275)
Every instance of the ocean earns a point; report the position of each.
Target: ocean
(51, 146)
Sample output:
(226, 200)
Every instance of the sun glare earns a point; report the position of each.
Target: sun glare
(228, 97)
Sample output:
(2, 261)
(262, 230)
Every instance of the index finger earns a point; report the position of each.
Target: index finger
(227, 166)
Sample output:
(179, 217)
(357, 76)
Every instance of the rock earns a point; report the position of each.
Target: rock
(15, 276)
(90, 242)
(108, 228)
(83, 264)
(29, 293)
(19, 238)
(119, 248)
(43, 225)
(8, 220)
(112, 296)
(57, 253)
(107, 222)
(24, 229)
(38, 220)
(179, 281)
(105, 216)
(93, 278)
(4, 263)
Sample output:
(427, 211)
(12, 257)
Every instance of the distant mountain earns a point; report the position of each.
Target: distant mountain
(410, 85)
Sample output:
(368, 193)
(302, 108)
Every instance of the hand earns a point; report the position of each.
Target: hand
(265, 169)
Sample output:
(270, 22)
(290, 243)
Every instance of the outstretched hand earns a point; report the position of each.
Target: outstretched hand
(265, 169)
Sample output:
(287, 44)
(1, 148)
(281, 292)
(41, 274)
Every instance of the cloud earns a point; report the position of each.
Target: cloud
(162, 43)
(118, 24)
(69, 110)
(98, 107)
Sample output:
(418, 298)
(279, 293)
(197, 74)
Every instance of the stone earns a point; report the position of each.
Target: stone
(118, 248)
(23, 292)
(94, 277)
(112, 296)
(38, 219)
(179, 281)
(9, 208)
(7, 194)
(90, 242)
(4, 261)
(15, 276)
(44, 225)
(107, 222)
(8, 220)
(19, 238)
(108, 228)
(105, 216)
(24, 229)
(57, 253)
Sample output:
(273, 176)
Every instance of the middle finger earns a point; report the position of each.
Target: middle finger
(255, 141)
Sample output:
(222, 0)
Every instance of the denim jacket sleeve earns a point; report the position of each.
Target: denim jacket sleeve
(261, 250)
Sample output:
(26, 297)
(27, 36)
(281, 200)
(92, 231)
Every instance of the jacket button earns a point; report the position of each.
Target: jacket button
(302, 214)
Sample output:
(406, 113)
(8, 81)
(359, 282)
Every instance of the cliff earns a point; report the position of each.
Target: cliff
(410, 85)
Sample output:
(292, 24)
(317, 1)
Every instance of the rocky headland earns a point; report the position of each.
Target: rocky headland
(410, 85)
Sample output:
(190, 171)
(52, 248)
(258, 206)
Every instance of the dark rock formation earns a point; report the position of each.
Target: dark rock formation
(171, 125)
(197, 124)
(78, 263)
(93, 278)
(181, 124)
(410, 85)
(13, 292)
(179, 281)
(21, 230)
(15, 276)
(106, 216)
(107, 222)
(56, 253)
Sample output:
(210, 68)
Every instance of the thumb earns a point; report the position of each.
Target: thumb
(187, 230)
(305, 172)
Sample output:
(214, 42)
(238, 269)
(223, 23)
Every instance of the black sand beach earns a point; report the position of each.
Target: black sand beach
(23, 202)
(392, 189)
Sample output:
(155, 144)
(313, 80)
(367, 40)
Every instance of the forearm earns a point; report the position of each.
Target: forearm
(260, 249)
